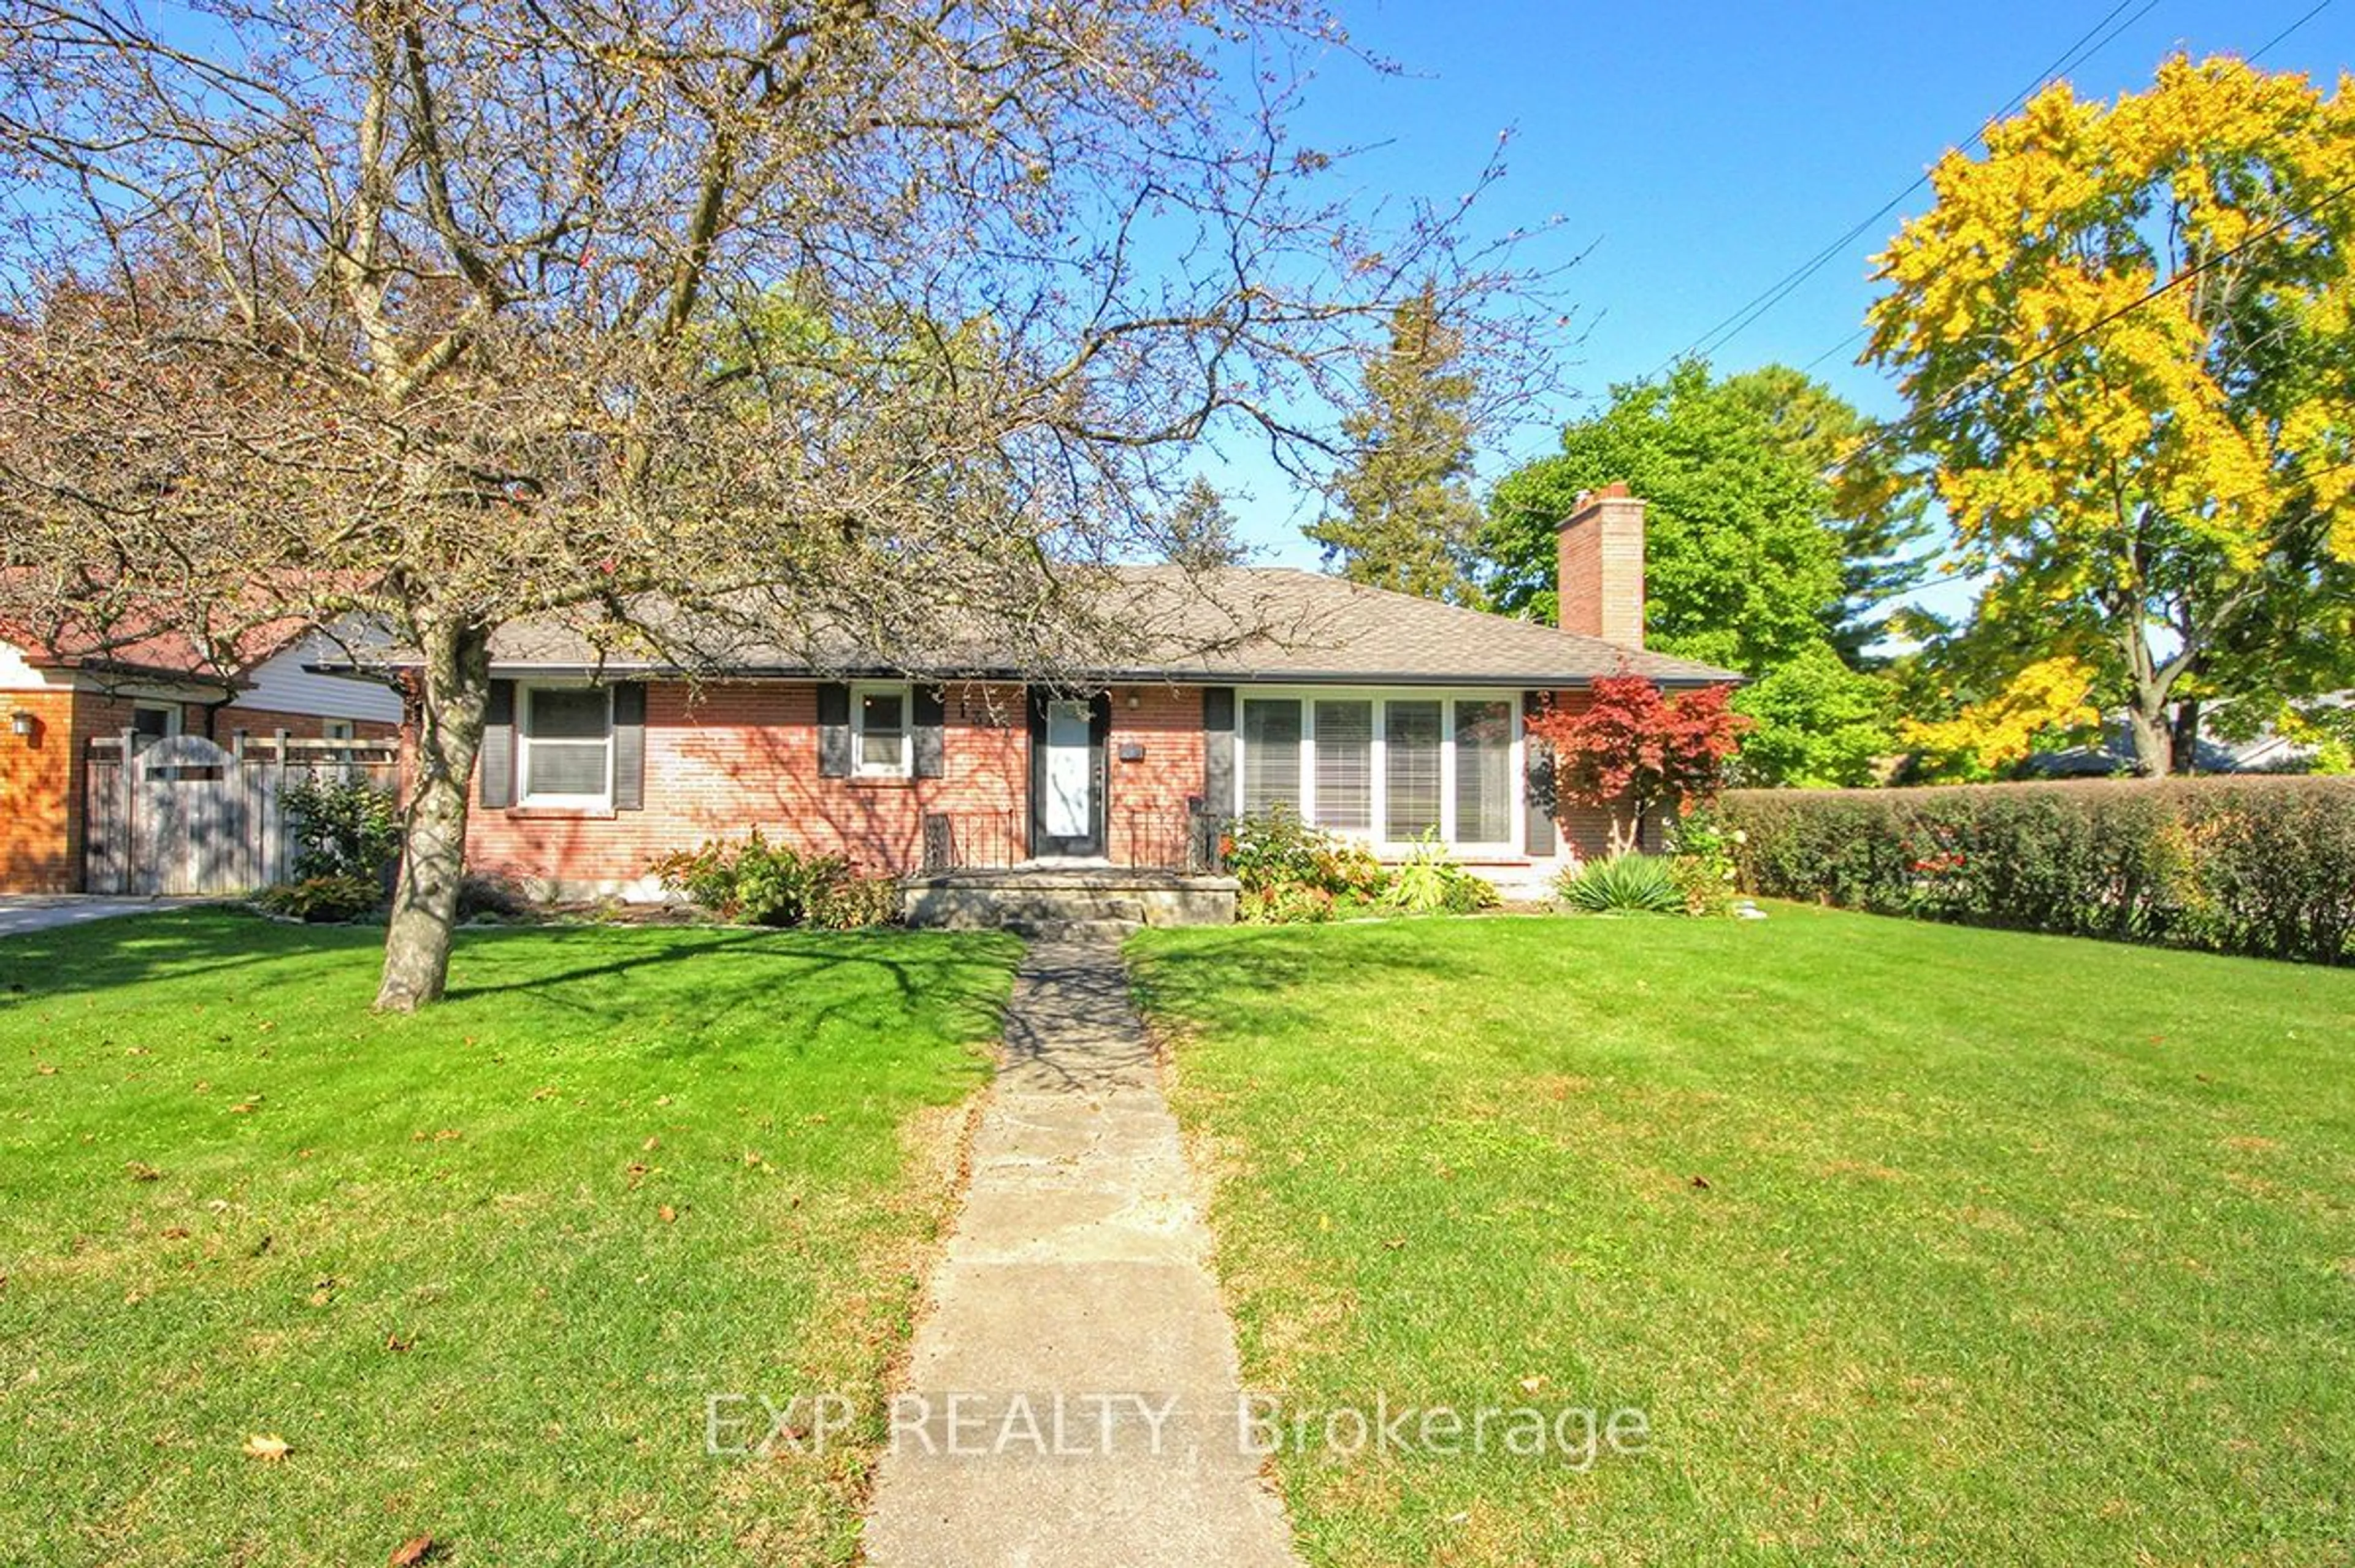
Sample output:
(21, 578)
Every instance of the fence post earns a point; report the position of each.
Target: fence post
(240, 801)
(126, 787)
(277, 810)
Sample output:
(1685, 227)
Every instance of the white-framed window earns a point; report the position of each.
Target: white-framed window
(1386, 767)
(564, 745)
(153, 721)
(882, 731)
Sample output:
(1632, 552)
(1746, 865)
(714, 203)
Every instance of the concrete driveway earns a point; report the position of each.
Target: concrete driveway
(21, 912)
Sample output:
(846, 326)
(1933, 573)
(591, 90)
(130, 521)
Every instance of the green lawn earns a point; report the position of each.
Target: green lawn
(479, 1267)
(2012, 1249)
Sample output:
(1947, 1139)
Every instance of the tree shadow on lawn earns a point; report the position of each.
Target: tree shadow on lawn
(610, 975)
(935, 979)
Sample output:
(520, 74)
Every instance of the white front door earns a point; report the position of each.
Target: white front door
(1071, 811)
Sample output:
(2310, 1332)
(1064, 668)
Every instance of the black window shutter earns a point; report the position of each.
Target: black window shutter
(931, 719)
(832, 730)
(497, 765)
(630, 745)
(1219, 750)
(1538, 835)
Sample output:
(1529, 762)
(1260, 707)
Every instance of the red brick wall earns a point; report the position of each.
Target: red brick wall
(42, 781)
(732, 757)
(260, 724)
(1149, 795)
(1584, 828)
(39, 798)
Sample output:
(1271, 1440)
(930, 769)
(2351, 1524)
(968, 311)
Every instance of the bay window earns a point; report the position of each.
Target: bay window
(1384, 768)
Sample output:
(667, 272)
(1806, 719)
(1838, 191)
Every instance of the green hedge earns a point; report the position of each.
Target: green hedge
(2262, 866)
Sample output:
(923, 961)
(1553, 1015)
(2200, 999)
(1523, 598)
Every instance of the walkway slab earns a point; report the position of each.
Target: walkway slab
(22, 912)
(1072, 1394)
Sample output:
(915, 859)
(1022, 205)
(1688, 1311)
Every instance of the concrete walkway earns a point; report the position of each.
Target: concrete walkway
(1072, 1395)
(21, 912)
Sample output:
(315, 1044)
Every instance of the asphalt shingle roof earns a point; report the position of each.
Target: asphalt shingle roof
(1242, 625)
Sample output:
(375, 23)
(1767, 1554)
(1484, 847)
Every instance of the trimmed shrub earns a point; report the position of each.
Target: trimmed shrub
(756, 883)
(344, 826)
(1625, 884)
(2258, 865)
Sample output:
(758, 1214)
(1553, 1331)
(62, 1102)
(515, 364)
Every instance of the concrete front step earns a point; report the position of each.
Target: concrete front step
(1112, 931)
(1041, 897)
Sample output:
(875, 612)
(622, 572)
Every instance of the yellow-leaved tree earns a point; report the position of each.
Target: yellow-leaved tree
(2125, 334)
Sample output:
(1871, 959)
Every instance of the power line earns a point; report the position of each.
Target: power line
(2252, 58)
(2076, 54)
(2266, 47)
(1988, 381)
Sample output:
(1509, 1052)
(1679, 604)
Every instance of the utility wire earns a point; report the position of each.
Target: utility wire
(2266, 47)
(2252, 58)
(2092, 41)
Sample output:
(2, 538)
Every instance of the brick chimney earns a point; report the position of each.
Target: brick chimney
(1598, 554)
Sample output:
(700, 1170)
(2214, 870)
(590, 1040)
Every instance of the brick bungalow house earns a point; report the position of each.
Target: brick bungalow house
(1373, 714)
(54, 701)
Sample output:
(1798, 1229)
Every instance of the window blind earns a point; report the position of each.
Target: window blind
(1410, 768)
(1271, 754)
(1344, 765)
(1483, 784)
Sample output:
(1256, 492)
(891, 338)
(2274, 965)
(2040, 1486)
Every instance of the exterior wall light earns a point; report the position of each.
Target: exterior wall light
(21, 724)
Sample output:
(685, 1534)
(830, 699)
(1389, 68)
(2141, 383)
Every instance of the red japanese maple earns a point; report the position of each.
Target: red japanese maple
(1632, 749)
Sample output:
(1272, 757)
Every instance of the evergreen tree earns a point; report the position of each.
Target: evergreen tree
(1403, 515)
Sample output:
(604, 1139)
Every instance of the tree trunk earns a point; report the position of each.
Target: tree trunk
(2183, 738)
(451, 697)
(2153, 752)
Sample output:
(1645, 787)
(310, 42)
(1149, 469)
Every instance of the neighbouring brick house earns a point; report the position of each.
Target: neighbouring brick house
(1372, 714)
(54, 702)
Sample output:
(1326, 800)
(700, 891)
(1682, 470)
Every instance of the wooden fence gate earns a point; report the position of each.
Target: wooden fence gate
(184, 816)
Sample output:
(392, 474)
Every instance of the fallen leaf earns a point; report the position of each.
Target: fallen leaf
(176, 1233)
(398, 1345)
(142, 1171)
(651, 1144)
(410, 1552)
(1394, 1243)
(45, 1071)
(669, 1215)
(1700, 1182)
(267, 1447)
(1533, 1383)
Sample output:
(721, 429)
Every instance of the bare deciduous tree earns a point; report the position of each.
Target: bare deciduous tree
(813, 319)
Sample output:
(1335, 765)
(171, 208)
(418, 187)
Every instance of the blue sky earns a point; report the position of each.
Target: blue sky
(1704, 150)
